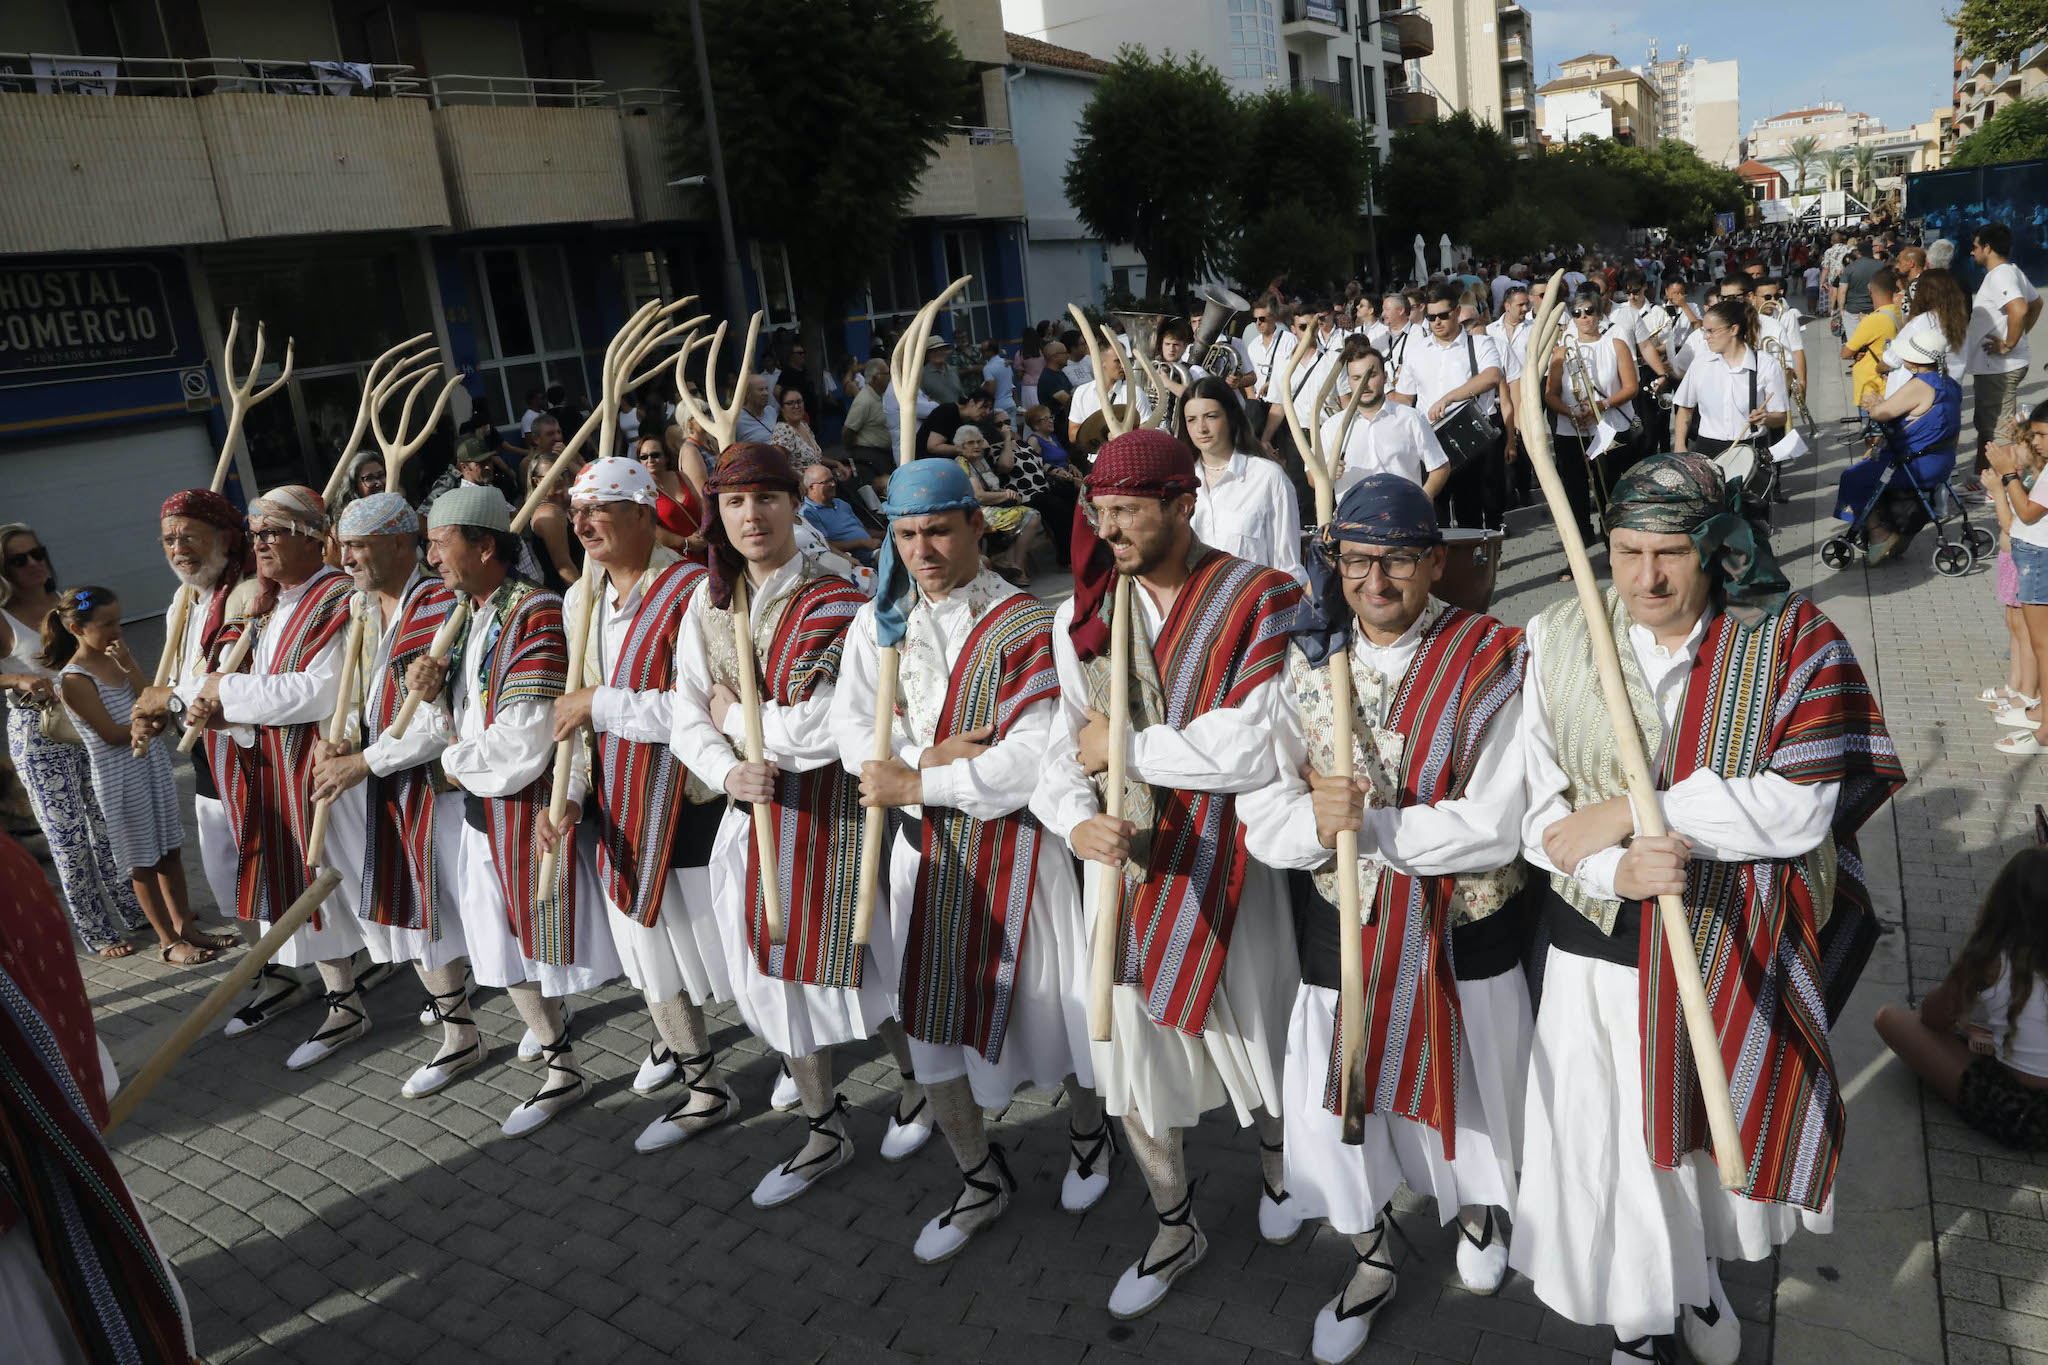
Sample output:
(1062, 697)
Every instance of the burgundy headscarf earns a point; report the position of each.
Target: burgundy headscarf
(748, 467)
(203, 504)
(1146, 463)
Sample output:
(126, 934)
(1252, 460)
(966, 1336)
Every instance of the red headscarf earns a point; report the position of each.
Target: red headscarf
(203, 504)
(748, 467)
(1146, 463)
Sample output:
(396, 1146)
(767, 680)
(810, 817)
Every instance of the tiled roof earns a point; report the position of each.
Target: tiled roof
(1039, 53)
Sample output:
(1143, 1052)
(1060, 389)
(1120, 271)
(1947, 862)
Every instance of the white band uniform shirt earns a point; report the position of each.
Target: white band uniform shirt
(1087, 401)
(1603, 364)
(1250, 510)
(1395, 440)
(1718, 392)
(1513, 348)
(1430, 369)
(1267, 357)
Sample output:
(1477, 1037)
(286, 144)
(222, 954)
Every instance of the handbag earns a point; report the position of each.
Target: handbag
(53, 720)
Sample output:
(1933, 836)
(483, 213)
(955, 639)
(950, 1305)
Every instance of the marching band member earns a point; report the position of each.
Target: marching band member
(1769, 753)
(1206, 964)
(1731, 390)
(1437, 375)
(538, 943)
(1589, 356)
(1325, 340)
(816, 989)
(393, 831)
(1781, 322)
(1246, 506)
(982, 904)
(1437, 798)
(1385, 438)
(656, 821)
(273, 714)
(1265, 357)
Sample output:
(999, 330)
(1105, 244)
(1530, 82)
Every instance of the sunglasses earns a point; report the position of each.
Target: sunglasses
(1585, 312)
(38, 555)
(1437, 317)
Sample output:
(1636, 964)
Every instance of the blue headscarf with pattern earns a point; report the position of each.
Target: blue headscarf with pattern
(922, 488)
(1380, 509)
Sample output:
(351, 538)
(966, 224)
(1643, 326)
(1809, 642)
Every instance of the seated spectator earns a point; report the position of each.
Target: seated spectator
(1039, 429)
(935, 437)
(831, 517)
(1053, 490)
(757, 418)
(1980, 1039)
(474, 464)
(1013, 527)
(536, 408)
(556, 552)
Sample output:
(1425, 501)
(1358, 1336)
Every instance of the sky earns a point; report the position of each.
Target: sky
(1891, 59)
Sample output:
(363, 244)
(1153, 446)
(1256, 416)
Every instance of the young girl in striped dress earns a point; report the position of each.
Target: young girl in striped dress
(138, 796)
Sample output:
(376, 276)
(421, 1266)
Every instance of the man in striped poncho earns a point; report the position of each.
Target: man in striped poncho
(1769, 754)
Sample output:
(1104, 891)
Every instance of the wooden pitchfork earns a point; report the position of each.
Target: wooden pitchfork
(378, 385)
(905, 368)
(397, 450)
(645, 332)
(1642, 792)
(241, 395)
(720, 421)
(1322, 464)
(1110, 888)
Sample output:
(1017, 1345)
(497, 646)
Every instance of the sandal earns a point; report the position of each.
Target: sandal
(942, 1238)
(193, 956)
(2020, 744)
(215, 941)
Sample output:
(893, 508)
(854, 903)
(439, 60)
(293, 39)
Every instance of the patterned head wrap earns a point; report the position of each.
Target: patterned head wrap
(615, 478)
(747, 467)
(203, 504)
(1146, 463)
(1685, 494)
(922, 488)
(1380, 509)
(471, 504)
(293, 507)
(380, 514)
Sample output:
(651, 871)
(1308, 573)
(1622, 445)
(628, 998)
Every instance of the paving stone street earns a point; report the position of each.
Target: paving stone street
(316, 1217)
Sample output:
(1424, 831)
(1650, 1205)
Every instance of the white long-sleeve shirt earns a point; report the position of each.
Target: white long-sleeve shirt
(1477, 832)
(505, 756)
(1229, 749)
(798, 738)
(1728, 819)
(996, 782)
(1249, 510)
(389, 753)
(256, 698)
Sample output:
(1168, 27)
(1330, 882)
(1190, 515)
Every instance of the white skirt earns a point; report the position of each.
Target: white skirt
(794, 1019)
(217, 860)
(337, 936)
(494, 955)
(1046, 1037)
(681, 953)
(346, 830)
(1169, 1078)
(1604, 1235)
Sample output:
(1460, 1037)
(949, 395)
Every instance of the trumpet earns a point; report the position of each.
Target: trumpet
(1586, 394)
(1775, 349)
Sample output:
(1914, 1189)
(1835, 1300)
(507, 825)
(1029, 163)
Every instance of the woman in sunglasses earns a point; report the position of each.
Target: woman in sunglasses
(1591, 384)
(56, 771)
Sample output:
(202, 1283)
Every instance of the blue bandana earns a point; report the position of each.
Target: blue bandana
(1380, 509)
(922, 488)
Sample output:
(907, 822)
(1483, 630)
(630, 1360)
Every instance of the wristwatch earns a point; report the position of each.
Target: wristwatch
(2009, 478)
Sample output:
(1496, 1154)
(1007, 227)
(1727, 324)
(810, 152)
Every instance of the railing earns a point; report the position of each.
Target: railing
(1515, 98)
(981, 137)
(46, 73)
(515, 90)
(1512, 50)
(1333, 91)
(1335, 13)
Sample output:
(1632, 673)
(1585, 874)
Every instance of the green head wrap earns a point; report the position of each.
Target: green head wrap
(1685, 494)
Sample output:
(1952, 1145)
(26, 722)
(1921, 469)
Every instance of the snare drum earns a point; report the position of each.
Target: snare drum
(1466, 434)
(1471, 560)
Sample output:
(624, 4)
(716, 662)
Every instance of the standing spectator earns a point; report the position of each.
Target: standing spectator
(937, 380)
(1080, 368)
(536, 408)
(828, 515)
(1056, 385)
(565, 408)
(678, 501)
(1940, 307)
(138, 797)
(1996, 353)
(866, 437)
(1030, 362)
(2029, 532)
(796, 374)
(2022, 686)
(1810, 276)
(995, 373)
(103, 905)
(754, 422)
(1856, 278)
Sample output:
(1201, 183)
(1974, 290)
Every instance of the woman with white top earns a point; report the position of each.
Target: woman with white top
(56, 772)
(1609, 366)
(1246, 506)
(2028, 530)
(1733, 390)
(1980, 1038)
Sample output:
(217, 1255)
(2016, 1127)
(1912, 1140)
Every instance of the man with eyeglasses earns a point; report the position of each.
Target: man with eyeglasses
(1768, 754)
(1207, 972)
(1447, 1018)
(274, 713)
(1451, 369)
(1266, 352)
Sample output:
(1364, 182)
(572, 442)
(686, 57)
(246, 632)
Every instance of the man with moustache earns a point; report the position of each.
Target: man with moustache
(1384, 438)
(982, 904)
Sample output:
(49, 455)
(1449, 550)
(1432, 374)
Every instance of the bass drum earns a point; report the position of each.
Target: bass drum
(1471, 562)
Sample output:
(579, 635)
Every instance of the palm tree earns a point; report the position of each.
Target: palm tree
(1801, 151)
(1832, 161)
(1866, 170)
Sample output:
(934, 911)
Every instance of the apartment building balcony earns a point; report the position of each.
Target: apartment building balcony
(1406, 108)
(1514, 52)
(647, 127)
(518, 152)
(975, 175)
(1418, 36)
(121, 153)
(1318, 20)
(1333, 91)
(2006, 80)
(1514, 99)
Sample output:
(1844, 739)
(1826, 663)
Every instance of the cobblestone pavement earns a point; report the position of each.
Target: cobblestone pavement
(316, 1217)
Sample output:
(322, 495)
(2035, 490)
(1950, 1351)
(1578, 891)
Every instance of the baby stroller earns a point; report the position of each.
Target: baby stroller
(1887, 487)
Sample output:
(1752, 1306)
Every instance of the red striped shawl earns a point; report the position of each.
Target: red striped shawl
(400, 888)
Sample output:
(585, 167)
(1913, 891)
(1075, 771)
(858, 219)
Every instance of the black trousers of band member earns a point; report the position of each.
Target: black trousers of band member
(1585, 482)
(1477, 495)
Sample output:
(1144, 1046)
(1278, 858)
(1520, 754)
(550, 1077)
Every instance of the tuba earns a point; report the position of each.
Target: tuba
(1142, 331)
(1219, 306)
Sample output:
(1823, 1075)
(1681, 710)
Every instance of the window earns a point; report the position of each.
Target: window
(1368, 99)
(663, 273)
(1254, 48)
(970, 309)
(772, 284)
(1294, 68)
(526, 335)
(1344, 85)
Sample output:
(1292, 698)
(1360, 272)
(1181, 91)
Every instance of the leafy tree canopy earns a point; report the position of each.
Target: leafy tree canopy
(2000, 29)
(2018, 132)
(826, 163)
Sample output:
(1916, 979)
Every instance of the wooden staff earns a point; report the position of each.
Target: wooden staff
(720, 419)
(337, 728)
(1321, 467)
(376, 387)
(642, 334)
(905, 367)
(199, 1020)
(239, 601)
(1110, 889)
(241, 396)
(1642, 792)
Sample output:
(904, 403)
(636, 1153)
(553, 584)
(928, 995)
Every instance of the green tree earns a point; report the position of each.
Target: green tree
(1300, 187)
(1443, 176)
(2000, 29)
(1152, 164)
(1292, 239)
(1803, 152)
(826, 165)
(1831, 163)
(1865, 159)
(2018, 132)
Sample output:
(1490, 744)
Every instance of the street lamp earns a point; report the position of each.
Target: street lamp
(735, 292)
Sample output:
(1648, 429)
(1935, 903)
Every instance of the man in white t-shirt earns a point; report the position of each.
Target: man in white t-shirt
(1265, 357)
(1385, 438)
(1325, 343)
(1439, 375)
(1995, 353)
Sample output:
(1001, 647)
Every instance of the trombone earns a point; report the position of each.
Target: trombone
(1586, 394)
(1775, 349)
